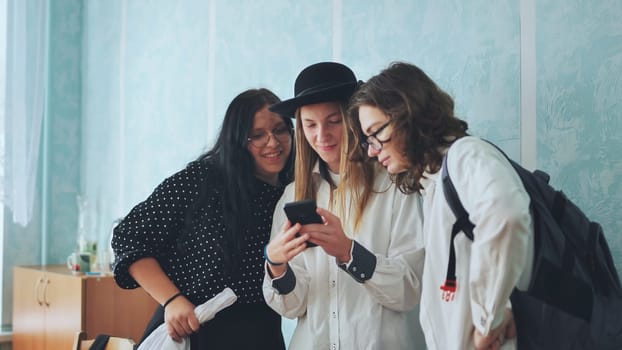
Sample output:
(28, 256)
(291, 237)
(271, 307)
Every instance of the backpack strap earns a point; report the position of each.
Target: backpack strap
(462, 224)
(451, 195)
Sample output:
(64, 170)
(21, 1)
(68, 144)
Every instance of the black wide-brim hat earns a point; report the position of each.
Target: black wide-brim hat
(320, 82)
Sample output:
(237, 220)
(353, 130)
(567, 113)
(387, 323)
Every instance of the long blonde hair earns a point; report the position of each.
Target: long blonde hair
(356, 178)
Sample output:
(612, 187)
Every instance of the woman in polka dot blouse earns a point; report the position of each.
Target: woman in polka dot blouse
(203, 229)
(358, 289)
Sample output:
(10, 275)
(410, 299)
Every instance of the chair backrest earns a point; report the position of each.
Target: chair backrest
(114, 343)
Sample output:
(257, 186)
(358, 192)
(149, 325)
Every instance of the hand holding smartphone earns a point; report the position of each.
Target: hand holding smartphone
(303, 212)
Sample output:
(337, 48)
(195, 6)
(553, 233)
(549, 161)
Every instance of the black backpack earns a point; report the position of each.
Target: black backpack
(574, 298)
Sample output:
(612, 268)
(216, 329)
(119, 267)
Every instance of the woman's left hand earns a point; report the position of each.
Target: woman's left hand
(496, 337)
(329, 236)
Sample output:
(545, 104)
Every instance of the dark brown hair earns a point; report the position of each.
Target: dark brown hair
(236, 166)
(422, 115)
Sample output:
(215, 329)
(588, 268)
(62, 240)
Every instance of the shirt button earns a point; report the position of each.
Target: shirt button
(362, 275)
(334, 314)
(332, 283)
(354, 268)
(333, 347)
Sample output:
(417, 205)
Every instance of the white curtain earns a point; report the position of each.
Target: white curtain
(3, 17)
(3, 8)
(25, 102)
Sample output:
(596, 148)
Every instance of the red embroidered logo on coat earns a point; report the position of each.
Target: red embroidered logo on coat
(448, 290)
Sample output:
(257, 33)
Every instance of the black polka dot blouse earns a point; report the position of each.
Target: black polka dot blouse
(193, 260)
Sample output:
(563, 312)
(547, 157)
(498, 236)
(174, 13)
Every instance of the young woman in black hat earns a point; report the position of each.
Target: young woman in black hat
(358, 288)
(203, 229)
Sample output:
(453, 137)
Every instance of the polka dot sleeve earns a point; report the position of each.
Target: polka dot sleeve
(152, 227)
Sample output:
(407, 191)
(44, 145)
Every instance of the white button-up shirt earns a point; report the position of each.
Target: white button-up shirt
(333, 310)
(487, 269)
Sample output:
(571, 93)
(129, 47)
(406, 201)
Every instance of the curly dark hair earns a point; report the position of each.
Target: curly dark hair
(422, 117)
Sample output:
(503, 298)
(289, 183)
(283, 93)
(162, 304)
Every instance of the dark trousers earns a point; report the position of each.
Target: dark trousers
(244, 327)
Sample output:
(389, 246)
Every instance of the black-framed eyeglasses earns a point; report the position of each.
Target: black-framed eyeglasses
(261, 138)
(373, 141)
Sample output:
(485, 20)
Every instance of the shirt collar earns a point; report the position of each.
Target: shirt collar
(316, 172)
(316, 168)
(429, 178)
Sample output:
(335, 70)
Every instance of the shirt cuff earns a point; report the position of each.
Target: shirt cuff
(362, 263)
(285, 283)
(483, 321)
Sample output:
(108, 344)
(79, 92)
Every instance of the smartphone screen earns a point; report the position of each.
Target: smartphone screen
(303, 212)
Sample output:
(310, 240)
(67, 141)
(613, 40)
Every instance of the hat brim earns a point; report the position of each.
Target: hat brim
(341, 93)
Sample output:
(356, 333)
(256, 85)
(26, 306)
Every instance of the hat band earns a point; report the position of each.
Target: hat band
(320, 87)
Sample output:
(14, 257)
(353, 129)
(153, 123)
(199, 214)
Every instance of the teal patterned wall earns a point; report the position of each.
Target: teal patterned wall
(472, 50)
(140, 87)
(579, 106)
(63, 129)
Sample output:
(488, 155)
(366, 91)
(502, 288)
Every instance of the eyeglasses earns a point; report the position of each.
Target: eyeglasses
(373, 141)
(261, 138)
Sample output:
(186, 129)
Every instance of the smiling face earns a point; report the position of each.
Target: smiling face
(270, 144)
(390, 154)
(322, 124)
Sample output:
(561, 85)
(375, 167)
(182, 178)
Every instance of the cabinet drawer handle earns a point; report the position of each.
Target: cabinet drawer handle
(45, 289)
(37, 285)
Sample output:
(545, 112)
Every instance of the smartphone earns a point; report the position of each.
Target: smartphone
(303, 212)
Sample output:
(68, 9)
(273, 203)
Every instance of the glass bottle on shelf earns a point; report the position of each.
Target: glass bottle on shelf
(86, 242)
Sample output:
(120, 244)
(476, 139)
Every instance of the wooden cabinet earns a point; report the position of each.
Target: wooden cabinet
(50, 305)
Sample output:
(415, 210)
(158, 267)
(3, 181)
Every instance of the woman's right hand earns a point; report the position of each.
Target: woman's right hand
(496, 337)
(284, 247)
(180, 319)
